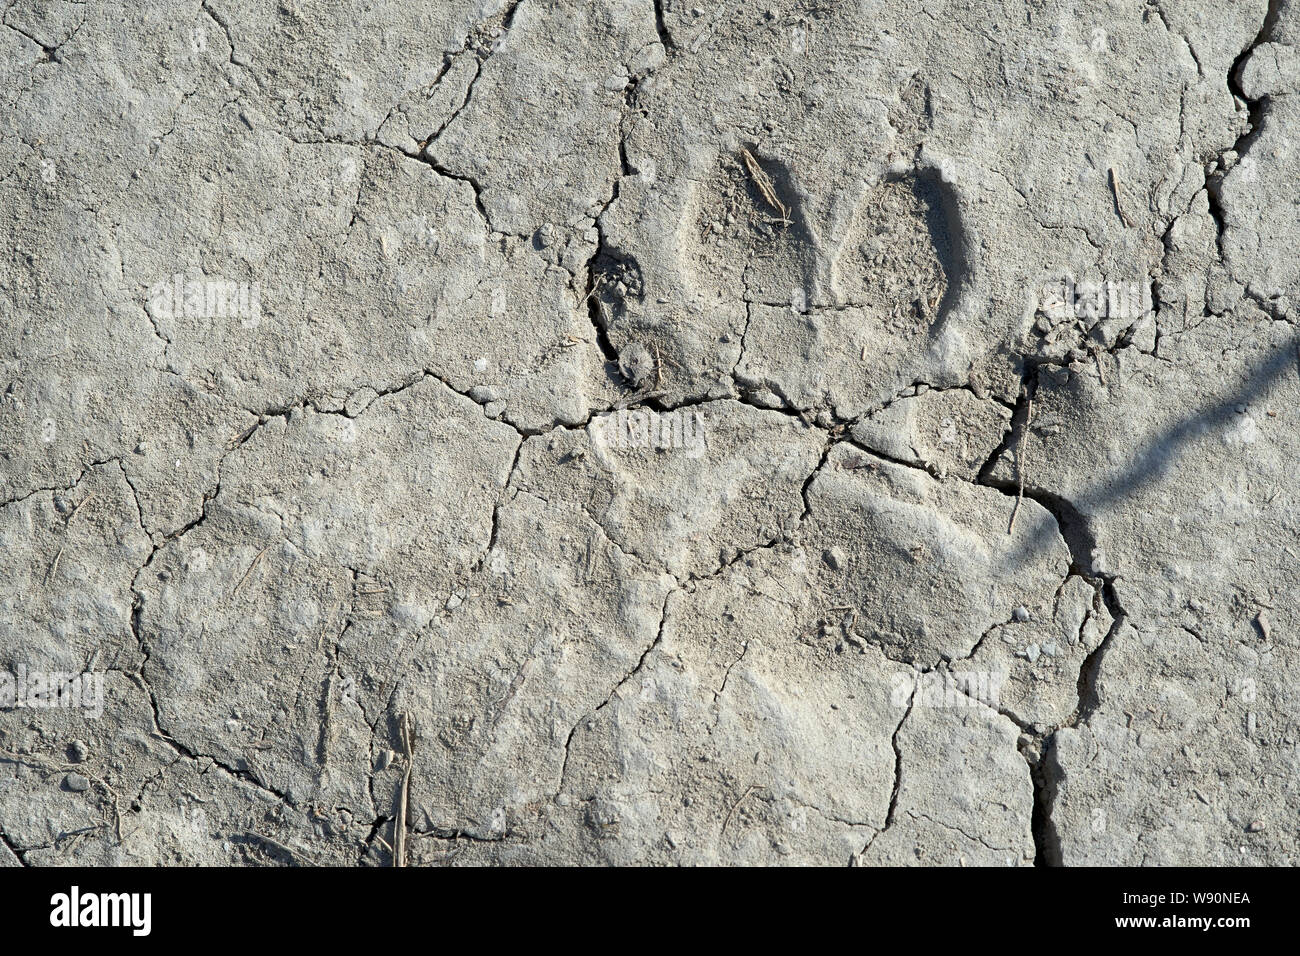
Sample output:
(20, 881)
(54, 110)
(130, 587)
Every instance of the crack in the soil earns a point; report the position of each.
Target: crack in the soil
(645, 654)
(892, 811)
(1257, 112)
(12, 847)
(1081, 541)
(1072, 525)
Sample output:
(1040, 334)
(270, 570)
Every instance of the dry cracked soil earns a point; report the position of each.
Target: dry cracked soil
(649, 432)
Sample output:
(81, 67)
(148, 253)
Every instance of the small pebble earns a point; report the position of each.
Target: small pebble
(834, 558)
(1255, 826)
(78, 751)
(1265, 628)
(1021, 614)
(76, 783)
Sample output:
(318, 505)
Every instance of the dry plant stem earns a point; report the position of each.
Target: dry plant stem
(1119, 199)
(764, 183)
(403, 799)
(249, 569)
(743, 797)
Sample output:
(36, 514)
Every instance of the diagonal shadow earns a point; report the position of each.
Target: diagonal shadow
(1152, 464)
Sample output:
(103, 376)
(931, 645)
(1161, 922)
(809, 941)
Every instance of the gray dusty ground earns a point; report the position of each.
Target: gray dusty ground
(650, 432)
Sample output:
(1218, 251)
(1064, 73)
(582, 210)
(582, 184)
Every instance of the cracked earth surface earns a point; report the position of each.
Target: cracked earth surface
(919, 565)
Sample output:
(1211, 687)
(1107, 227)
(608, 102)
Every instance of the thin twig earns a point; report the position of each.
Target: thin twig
(735, 805)
(80, 504)
(54, 565)
(764, 183)
(1119, 199)
(403, 798)
(249, 570)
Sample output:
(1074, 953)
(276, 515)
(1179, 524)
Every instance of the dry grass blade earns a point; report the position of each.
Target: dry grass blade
(1119, 199)
(403, 799)
(764, 183)
(249, 570)
(54, 566)
(81, 504)
(743, 797)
